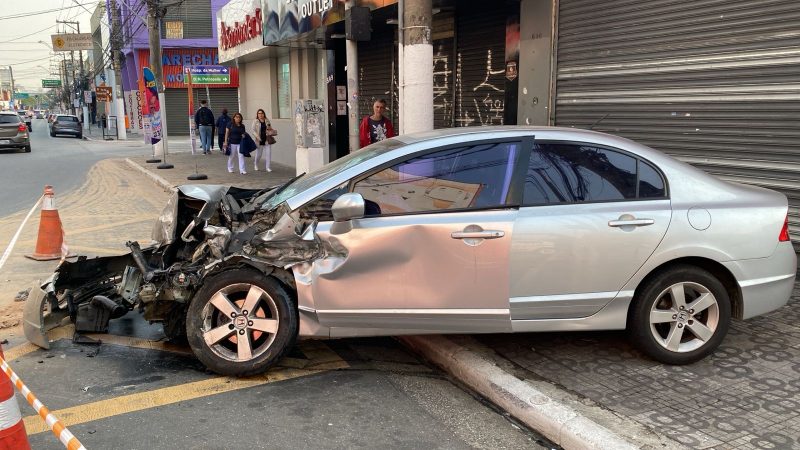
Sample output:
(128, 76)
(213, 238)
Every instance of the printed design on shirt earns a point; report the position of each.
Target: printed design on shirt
(379, 131)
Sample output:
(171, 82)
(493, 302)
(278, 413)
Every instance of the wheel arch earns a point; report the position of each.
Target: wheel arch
(715, 268)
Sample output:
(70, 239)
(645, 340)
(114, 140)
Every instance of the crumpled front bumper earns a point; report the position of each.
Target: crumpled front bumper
(38, 317)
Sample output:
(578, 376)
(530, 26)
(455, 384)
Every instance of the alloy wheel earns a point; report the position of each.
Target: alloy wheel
(240, 322)
(684, 317)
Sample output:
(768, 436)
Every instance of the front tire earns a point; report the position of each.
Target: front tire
(241, 322)
(680, 316)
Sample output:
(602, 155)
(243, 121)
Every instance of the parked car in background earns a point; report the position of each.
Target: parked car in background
(469, 230)
(14, 132)
(26, 117)
(66, 124)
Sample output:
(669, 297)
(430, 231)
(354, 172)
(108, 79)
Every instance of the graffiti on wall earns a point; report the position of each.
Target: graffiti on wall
(442, 73)
(487, 107)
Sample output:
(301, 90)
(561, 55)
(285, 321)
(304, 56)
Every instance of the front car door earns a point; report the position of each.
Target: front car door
(431, 254)
(590, 218)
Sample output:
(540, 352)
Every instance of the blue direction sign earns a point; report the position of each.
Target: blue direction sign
(209, 75)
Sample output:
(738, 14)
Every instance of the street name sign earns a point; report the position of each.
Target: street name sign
(208, 75)
(51, 83)
(103, 93)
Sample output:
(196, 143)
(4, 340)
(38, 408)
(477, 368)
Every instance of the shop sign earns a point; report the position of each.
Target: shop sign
(174, 29)
(240, 25)
(209, 75)
(239, 33)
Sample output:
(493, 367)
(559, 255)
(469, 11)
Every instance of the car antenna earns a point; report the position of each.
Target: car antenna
(599, 120)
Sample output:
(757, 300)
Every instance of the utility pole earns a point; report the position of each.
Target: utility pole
(416, 107)
(116, 48)
(351, 52)
(155, 11)
(11, 73)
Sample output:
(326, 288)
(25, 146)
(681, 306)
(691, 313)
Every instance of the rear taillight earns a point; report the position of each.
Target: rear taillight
(22, 127)
(784, 236)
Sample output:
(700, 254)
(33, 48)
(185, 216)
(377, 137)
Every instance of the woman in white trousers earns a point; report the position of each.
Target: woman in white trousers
(233, 138)
(259, 130)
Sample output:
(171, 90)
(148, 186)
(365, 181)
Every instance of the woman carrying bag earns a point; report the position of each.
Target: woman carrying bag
(262, 132)
(233, 138)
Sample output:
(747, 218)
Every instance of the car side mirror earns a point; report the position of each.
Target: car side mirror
(347, 207)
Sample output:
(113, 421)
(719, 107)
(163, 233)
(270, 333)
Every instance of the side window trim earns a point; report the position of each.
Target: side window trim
(639, 159)
(512, 194)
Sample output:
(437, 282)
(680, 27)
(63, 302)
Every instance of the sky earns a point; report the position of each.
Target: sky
(30, 21)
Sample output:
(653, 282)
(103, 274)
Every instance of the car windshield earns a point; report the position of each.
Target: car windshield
(8, 118)
(327, 171)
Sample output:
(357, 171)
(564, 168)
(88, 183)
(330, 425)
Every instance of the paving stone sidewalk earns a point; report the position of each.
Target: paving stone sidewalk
(745, 396)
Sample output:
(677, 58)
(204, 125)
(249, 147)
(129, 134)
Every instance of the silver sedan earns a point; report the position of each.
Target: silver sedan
(472, 230)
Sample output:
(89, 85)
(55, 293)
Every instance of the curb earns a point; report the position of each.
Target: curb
(164, 184)
(556, 421)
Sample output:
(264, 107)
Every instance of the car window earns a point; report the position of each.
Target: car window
(67, 119)
(476, 176)
(320, 208)
(651, 184)
(7, 118)
(329, 170)
(573, 173)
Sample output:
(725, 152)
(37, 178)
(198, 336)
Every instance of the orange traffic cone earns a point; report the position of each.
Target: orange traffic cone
(12, 428)
(50, 244)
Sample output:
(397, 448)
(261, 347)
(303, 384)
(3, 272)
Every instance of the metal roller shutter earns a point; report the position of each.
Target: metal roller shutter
(195, 16)
(178, 106)
(715, 83)
(480, 64)
(377, 76)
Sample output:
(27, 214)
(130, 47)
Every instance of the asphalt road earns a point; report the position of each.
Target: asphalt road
(61, 161)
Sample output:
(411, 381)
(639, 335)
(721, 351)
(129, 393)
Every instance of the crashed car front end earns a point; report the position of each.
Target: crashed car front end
(204, 230)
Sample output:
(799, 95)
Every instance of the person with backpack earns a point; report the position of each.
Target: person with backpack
(223, 122)
(204, 119)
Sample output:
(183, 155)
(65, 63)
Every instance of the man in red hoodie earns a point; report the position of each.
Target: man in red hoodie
(376, 127)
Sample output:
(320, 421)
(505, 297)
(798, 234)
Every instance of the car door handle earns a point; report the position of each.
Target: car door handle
(631, 223)
(485, 234)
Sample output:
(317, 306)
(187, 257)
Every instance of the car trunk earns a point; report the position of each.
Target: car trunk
(9, 126)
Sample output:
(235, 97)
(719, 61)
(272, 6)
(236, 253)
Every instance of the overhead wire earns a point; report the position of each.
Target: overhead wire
(37, 13)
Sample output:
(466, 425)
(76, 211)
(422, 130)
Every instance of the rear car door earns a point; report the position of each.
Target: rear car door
(432, 252)
(590, 218)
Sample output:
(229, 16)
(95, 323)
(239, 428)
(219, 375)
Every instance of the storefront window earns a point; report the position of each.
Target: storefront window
(284, 88)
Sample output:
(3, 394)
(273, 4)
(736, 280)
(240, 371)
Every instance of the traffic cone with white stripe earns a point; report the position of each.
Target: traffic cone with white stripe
(12, 428)
(50, 244)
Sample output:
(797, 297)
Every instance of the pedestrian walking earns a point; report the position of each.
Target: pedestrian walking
(222, 124)
(376, 127)
(233, 138)
(204, 119)
(263, 133)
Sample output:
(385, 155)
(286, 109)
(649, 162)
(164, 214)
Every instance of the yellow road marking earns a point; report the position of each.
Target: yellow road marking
(160, 397)
(320, 359)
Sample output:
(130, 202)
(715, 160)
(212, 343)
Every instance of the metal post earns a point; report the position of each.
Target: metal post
(416, 111)
(154, 34)
(351, 50)
(116, 41)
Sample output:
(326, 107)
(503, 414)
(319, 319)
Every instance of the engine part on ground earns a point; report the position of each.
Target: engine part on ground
(92, 318)
(113, 307)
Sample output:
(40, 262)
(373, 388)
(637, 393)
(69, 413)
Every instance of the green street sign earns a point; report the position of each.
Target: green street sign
(51, 83)
(210, 79)
(21, 95)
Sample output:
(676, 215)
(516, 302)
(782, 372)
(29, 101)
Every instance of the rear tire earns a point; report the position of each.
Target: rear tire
(680, 316)
(80, 136)
(231, 340)
(52, 134)
(27, 149)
